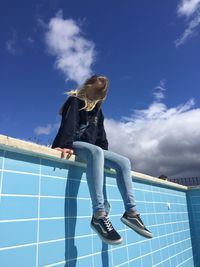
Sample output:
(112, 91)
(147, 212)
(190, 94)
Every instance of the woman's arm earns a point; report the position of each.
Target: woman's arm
(101, 136)
(70, 120)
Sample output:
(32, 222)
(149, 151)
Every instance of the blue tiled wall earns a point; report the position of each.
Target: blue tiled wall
(45, 213)
(193, 197)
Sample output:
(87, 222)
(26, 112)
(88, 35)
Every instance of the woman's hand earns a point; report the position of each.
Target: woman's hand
(66, 152)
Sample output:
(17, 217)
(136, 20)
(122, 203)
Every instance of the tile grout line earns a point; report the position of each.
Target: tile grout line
(68, 230)
(2, 171)
(62, 239)
(38, 220)
(111, 249)
(86, 198)
(127, 252)
(174, 242)
(112, 185)
(86, 256)
(184, 261)
(91, 231)
(156, 251)
(154, 209)
(171, 257)
(148, 227)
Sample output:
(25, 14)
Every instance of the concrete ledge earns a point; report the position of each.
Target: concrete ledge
(31, 148)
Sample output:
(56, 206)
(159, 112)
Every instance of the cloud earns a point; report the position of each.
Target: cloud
(159, 91)
(190, 9)
(16, 45)
(159, 140)
(46, 130)
(11, 45)
(74, 53)
(29, 40)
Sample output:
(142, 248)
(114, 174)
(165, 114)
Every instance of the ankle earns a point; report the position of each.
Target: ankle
(133, 213)
(99, 214)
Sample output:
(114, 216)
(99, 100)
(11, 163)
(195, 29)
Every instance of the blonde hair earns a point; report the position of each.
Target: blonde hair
(81, 93)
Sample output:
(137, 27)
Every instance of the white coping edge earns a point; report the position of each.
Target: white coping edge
(31, 148)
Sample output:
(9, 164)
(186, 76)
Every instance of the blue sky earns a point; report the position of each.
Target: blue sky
(149, 50)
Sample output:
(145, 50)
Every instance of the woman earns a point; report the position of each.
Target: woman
(82, 132)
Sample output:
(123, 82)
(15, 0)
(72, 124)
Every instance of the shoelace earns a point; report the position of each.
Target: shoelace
(108, 224)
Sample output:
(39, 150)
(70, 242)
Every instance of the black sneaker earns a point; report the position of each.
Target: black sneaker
(103, 227)
(136, 224)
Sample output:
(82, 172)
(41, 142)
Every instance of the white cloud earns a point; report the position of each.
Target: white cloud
(11, 45)
(159, 140)
(159, 91)
(190, 9)
(74, 53)
(46, 130)
(16, 44)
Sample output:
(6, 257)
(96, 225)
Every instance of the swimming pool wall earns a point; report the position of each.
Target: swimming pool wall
(193, 198)
(45, 213)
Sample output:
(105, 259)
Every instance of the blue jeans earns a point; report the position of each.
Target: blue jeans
(98, 158)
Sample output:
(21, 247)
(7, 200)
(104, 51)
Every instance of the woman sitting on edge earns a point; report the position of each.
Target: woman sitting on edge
(82, 132)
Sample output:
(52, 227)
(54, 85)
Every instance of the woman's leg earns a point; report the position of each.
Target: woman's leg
(94, 157)
(122, 165)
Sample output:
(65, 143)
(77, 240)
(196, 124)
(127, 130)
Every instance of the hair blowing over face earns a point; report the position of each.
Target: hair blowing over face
(84, 91)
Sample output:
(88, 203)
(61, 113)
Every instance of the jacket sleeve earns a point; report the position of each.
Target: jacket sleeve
(101, 140)
(70, 120)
